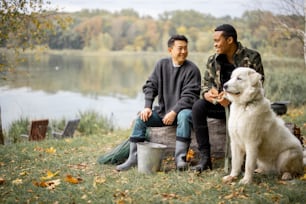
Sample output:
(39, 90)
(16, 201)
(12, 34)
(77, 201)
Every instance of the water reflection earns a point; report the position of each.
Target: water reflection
(24, 102)
(60, 86)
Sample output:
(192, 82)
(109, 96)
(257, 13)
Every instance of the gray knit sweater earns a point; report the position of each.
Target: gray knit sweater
(177, 88)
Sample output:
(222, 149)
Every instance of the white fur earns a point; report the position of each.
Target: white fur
(257, 133)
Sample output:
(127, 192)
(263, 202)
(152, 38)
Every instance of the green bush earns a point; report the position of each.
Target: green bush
(93, 123)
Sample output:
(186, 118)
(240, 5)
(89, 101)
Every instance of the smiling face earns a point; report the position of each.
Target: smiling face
(222, 44)
(179, 51)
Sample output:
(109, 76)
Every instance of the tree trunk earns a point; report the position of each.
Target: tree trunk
(1, 133)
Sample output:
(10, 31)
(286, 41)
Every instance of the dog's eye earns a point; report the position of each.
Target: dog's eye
(238, 78)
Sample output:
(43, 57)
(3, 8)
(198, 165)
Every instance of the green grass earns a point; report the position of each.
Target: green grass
(23, 164)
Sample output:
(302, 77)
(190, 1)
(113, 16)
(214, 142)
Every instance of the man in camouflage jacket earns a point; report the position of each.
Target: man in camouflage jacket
(229, 55)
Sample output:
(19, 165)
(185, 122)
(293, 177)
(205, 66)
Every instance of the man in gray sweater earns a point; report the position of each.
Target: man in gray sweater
(176, 82)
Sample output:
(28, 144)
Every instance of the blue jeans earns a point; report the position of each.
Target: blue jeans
(183, 122)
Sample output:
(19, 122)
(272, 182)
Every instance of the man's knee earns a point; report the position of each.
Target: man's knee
(184, 115)
(199, 106)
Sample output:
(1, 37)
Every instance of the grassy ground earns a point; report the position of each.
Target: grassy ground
(66, 171)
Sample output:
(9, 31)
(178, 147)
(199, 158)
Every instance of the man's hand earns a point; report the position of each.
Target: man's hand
(211, 95)
(169, 118)
(223, 100)
(214, 97)
(145, 114)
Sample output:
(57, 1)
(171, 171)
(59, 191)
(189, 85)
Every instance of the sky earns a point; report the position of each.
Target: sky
(217, 8)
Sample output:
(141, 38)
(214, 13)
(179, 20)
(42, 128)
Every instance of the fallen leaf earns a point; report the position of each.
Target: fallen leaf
(78, 166)
(51, 150)
(52, 184)
(47, 184)
(230, 196)
(2, 180)
(72, 179)
(17, 181)
(38, 149)
(98, 180)
(68, 140)
(23, 173)
(40, 184)
(169, 195)
(190, 155)
(49, 175)
(303, 177)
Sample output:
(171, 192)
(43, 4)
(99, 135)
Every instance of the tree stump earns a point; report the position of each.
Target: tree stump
(217, 137)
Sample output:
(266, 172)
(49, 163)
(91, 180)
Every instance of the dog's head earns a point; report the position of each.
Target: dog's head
(244, 86)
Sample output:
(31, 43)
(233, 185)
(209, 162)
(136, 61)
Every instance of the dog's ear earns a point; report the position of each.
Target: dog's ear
(255, 77)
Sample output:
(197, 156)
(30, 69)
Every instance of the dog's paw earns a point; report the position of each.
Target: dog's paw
(229, 179)
(245, 181)
(286, 176)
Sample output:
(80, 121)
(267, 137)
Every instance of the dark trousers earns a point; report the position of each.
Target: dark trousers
(201, 110)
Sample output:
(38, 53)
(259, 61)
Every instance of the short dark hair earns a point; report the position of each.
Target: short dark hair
(176, 37)
(228, 31)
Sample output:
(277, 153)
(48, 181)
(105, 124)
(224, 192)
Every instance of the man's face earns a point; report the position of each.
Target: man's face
(179, 52)
(221, 43)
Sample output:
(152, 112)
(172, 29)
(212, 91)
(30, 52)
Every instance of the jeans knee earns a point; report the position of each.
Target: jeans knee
(184, 116)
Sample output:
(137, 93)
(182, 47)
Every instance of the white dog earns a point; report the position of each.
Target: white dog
(257, 133)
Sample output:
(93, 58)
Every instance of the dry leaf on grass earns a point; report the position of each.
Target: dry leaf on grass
(50, 150)
(169, 196)
(49, 175)
(303, 178)
(239, 193)
(47, 184)
(2, 180)
(98, 180)
(78, 166)
(38, 149)
(17, 181)
(73, 180)
(24, 173)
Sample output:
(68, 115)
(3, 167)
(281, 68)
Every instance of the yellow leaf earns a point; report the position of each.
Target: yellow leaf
(49, 175)
(17, 181)
(72, 179)
(23, 173)
(98, 180)
(47, 184)
(190, 155)
(40, 184)
(303, 177)
(51, 150)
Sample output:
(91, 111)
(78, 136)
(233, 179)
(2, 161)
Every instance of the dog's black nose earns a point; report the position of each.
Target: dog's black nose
(225, 86)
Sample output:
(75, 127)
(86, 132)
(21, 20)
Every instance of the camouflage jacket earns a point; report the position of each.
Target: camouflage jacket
(243, 57)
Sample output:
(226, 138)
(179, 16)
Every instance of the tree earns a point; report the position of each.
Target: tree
(24, 24)
(293, 27)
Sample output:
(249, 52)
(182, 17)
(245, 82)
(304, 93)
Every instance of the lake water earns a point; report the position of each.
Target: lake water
(58, 86)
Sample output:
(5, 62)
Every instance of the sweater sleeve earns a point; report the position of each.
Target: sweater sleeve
(150, 89)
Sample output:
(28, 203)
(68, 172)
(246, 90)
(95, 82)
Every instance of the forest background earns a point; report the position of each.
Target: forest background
(101, 30)
(126, 30)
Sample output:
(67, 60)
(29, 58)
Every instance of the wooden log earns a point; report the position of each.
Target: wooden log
(217, 136)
